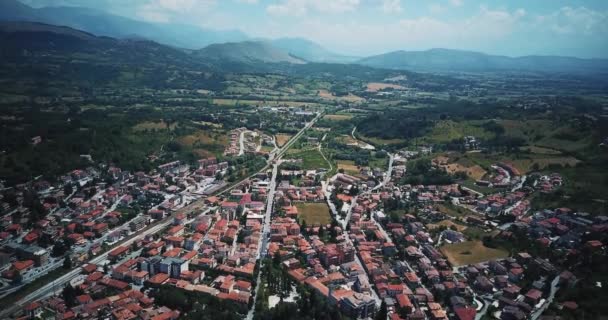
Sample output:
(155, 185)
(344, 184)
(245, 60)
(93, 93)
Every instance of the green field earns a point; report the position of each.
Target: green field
(314, 213)
(446, 131)
(311, 159)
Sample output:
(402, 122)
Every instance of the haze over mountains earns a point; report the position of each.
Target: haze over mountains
(235, 47)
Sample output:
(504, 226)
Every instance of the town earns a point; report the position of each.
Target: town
(123, 241)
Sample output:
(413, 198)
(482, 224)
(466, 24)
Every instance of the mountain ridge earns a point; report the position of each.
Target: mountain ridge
(440, 59)
(102, 23)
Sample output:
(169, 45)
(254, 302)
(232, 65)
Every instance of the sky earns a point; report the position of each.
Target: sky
(366, 27)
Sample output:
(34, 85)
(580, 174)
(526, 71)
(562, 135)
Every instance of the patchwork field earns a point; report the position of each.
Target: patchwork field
(377, 86)
(470, 252)
(314, 213)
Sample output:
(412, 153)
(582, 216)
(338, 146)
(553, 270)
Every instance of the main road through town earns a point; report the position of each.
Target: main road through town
(58, 284)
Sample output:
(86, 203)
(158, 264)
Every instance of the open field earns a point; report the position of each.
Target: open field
(377, 86)
(209, 124)
(338, 117)
(150, 125)
(348, 166)
(541, 150)
(314, 213)
(205, 143)
(311, 159)
(378, 142)
(282, 138)
(446, 131)
(524, 163)
(324, 94)
(237, 102)
(470, 252)
(547, 134)
(474, 171)
(446, 223)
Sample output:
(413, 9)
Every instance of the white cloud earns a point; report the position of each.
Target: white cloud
(170, 10)
(436, 8)
(391, 6)
(302, 7)
(248, 1)
(485, 29)
(576, 21)
(456, 3)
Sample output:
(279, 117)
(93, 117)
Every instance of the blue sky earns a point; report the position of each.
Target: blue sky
(364, 27)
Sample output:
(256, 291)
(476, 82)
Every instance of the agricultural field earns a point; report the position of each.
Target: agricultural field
(282, 138)
(314, 213)
(377, 86)
(324, 94)
(348, 166)
(338, 117)
(471, 252)
(259, 103)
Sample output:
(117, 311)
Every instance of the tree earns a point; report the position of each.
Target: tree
(67, 189)
(383, 312)
(67, 262)
(17, 279)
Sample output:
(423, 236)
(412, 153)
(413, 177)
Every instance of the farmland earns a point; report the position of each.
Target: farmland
(338, 117)
(377, 86)
(348, 166)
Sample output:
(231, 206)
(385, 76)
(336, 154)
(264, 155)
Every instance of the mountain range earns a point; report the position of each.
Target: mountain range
(104, 24)
(446, 60)
(234, 50)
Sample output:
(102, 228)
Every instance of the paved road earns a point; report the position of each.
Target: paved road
(241, 143)
(263, 244)
(60, 282)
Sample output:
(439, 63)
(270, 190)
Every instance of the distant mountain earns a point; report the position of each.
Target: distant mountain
(48, 56)
(105, 24)
(310, 51)
(246, 52)
(447, 60)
